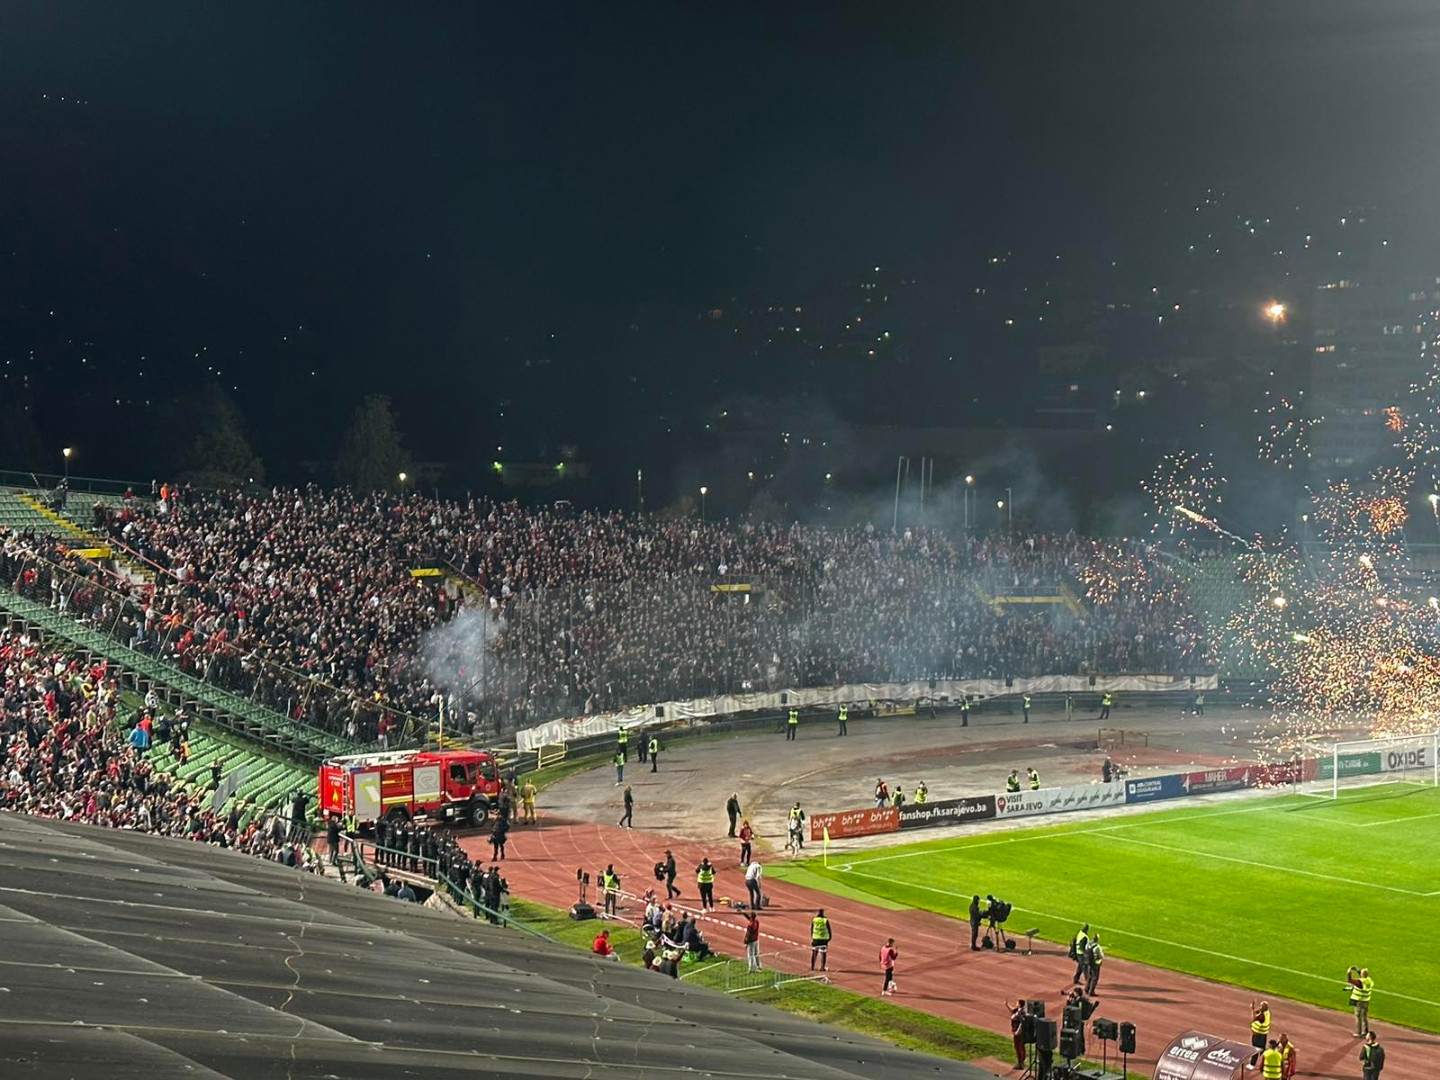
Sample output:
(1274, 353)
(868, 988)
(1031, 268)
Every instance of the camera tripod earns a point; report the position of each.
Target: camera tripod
(995, 934)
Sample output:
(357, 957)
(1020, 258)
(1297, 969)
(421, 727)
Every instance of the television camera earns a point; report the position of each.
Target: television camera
(995, 914)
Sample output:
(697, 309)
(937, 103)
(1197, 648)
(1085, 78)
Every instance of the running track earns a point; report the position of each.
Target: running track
(937, 972)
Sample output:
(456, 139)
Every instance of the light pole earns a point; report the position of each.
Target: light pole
(969, 484)
(1009, 510)
(703, 492)
(640, 489)
(65, 453)
(403, 478)
(999, 509)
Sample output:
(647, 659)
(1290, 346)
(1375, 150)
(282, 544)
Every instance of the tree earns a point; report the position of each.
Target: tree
(372, 456)
(20, 443)
(221, 455)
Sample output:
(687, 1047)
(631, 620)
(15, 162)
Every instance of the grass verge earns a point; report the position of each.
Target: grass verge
(846, 1009)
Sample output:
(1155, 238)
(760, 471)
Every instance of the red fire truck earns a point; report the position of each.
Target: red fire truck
(458, 786)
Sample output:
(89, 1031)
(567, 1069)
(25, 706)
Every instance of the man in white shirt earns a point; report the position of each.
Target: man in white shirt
(752, 883)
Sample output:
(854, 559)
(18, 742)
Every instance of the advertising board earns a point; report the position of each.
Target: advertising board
(946, 812)
(870, 821)
(1059, 800)
(1151, 788)
(1213, 780)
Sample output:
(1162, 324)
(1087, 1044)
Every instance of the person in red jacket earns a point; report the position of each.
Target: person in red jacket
(1288, 1062)
(888, 955)
(602, 946)
(747, 834)
(1017, 1030)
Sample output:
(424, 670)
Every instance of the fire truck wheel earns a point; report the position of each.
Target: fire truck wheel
(478, 813)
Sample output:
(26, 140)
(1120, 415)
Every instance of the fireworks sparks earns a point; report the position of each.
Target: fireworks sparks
(1286, 440)
(1185, 488)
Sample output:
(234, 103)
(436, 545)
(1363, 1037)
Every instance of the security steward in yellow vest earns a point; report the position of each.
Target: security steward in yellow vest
(792, 725)
(705, 878)
(1012, 782)
(1361, 987)
(1259, 1028)
(1078, 952)
(844, 718)
(819, 939)
(1105, 707)
(622, 741)
(1271, 1062)
(611, 881)
(654, 749)
(922, 793)
(964, 712)
(1034, 779)
(1025, 706)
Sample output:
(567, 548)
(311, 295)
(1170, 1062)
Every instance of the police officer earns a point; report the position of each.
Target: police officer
(792, 725)
(1012, 782)
(843, 717)
(382, 841)
(1105, 703)
(705, 879)
(1025, 706)
(654, 749)
(964, 712)
(1034, 778)
(820, 935)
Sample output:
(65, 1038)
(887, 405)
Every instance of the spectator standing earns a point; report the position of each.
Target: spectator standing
(1372, 1058)
(888, 955)
(627, 819)
(753, 874)
(732, 810)
(752, 942)
(747, 834)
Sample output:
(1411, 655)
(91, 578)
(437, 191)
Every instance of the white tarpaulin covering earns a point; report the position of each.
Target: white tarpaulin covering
(581, 727)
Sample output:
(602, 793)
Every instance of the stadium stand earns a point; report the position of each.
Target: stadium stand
(306, 602)
(331, 980)
(74, 745)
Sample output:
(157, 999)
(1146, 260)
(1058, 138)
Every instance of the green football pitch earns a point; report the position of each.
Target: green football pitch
(1279, 894)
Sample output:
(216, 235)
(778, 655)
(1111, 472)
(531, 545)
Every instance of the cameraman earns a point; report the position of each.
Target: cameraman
(975, 920)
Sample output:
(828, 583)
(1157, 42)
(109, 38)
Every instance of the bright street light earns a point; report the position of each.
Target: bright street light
(1275, 311)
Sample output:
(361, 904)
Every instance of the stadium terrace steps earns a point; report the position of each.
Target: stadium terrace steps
(64, 525)
(219, 707)
(19, 511)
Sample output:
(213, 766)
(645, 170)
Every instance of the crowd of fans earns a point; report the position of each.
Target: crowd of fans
(304, 600)
(66, 754)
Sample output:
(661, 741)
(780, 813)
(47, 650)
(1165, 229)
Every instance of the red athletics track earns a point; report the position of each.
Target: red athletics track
(937, 972)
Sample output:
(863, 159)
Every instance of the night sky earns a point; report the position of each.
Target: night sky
(510, 217)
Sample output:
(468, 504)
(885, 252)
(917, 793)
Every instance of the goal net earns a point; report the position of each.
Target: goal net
(1407, 759)
(549, 754)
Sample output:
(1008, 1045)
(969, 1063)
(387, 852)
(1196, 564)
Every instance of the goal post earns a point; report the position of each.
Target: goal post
(1409, 759)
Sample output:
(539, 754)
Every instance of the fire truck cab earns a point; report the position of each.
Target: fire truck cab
(457, 786)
